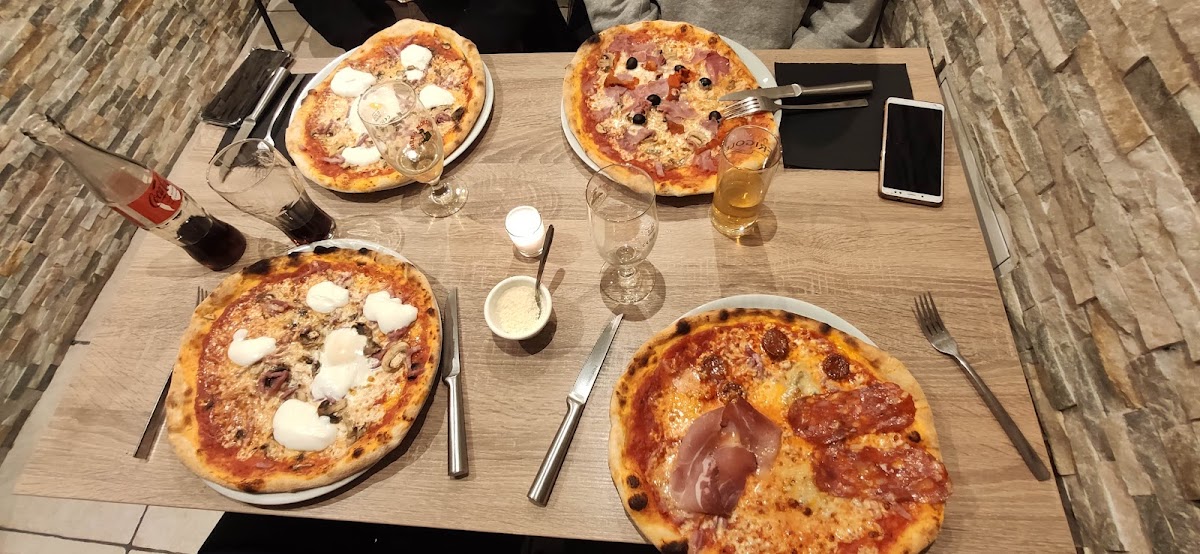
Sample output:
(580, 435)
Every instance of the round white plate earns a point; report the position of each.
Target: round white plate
(284, 498)
(757, 68)
(489, 96)
(772, 302)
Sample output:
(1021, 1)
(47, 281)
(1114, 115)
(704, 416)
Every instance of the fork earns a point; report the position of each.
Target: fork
(935, 331)
(154, 425)
(759, 104)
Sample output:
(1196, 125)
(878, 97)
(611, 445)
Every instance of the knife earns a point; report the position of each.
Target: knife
(792, 91)
(282, 105)
(543, 483)
(456, 446)
(251, 120)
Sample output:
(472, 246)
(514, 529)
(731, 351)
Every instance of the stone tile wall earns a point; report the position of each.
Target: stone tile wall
(129, 75)
(1083, 116)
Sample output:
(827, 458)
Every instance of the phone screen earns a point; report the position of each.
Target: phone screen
(913, 152)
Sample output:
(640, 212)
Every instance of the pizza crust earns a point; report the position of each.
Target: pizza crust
(352, 180)
(646, 511)
(182, 425)
(692, 182)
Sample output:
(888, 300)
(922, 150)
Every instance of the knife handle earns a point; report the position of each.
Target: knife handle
(272, 87)
(851, 87)
(456, 447)
(543, 483)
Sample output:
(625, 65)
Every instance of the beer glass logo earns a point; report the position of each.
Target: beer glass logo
(748, 145)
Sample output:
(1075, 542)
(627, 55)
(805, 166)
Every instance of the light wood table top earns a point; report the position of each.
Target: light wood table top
(827, 238)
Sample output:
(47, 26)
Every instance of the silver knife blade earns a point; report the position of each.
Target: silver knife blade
(785, 91)
(283, 103)
(595, 360)
(450, 350)
(251, 120)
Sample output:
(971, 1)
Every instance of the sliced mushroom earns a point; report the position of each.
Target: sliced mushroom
(362, 329)
(395, 357)
(371, 348)
(309, 335)
(331, 408)
(696, 140)
(604, 62)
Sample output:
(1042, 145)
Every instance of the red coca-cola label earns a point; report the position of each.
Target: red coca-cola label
(160, 201)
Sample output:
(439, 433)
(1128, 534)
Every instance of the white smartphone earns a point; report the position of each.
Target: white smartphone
(910, 165)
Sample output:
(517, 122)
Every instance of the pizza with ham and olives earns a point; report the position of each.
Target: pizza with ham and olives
(647, 94)
(304, 369)
(761, 431)
(327, 138)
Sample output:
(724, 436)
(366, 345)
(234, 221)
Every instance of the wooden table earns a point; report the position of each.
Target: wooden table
(827, 238)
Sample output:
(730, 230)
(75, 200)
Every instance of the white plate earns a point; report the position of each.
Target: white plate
(757, 68)
(285, 498)
(489, 95)
(772, 302)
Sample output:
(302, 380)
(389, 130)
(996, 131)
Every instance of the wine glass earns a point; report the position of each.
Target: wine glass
(254, 177)
(408, 138)
(624, 224)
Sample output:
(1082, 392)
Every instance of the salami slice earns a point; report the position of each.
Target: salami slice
(896, 475)
(835, 416)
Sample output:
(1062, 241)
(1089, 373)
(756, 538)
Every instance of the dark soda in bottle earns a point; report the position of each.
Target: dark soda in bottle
(143, 196)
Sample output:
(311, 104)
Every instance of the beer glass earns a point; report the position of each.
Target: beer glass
(750, 157)
(254, 177)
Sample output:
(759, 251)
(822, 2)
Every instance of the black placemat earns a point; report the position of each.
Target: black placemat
(279, 131)
(838, 139)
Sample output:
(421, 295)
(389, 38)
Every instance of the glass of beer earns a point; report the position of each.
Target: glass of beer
(254, 177)
(749, 159)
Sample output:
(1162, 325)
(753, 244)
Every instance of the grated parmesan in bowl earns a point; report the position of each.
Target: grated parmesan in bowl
(511, 308)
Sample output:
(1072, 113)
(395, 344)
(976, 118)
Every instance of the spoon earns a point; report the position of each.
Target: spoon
(537, 283)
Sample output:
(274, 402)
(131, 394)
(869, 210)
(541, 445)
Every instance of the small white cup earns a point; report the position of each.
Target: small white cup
(489, 306)
(526, 230)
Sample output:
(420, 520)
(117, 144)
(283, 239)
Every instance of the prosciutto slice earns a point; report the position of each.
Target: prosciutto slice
(716, 64)
(630, 140)
(719, 452)
(707, 161)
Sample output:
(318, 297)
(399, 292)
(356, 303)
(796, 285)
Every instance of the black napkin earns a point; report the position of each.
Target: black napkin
(844, 138)
(279, 131)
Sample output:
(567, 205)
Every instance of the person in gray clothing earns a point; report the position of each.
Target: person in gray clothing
(755, 23)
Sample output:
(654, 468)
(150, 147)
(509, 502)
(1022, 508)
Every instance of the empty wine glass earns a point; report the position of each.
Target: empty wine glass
(408, 138)
(624, 226)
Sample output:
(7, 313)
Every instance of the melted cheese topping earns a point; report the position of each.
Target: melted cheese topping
(433, 96)
(297, 426)
(389, 313)
(325, 296)
(343, 365)
(350, 82)
(247, 352)
(361, 155)
(415, 57)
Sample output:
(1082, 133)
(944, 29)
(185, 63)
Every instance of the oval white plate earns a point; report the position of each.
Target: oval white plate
(757, 68)
(773, 302)
(284, 498)
(489, 95)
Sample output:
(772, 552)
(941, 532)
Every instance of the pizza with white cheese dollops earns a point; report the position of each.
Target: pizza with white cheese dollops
(303, 369)
(329, 142)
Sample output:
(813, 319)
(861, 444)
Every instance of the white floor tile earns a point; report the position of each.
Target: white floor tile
(175, 529)
(77, 519)
(12, 542)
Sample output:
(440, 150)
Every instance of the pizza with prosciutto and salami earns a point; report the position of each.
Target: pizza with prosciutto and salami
(647, 94)
(328, 140)
(302, 370)
(762, 431)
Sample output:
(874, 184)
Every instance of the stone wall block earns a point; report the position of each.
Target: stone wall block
(1179, 137)
(1124, 122)
(1156, 323)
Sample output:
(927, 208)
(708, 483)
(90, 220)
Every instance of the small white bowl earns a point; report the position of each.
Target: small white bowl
(490, 304)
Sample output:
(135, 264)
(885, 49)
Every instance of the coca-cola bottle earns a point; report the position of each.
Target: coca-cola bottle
(143, 196)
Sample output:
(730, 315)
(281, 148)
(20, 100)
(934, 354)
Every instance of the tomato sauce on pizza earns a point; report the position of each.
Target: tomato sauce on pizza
(647, 95)
(762, 431)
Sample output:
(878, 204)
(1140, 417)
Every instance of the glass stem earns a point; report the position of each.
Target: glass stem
(438, 191)
(627, 275)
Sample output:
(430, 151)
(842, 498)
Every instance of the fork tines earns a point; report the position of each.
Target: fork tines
(747, 106)
(927, 315)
